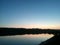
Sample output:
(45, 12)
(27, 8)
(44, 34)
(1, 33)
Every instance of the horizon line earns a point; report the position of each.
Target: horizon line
(28, 28)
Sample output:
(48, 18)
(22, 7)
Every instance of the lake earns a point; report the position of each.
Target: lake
(31, 39)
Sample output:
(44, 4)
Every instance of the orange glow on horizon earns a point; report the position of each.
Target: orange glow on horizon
(36, 26)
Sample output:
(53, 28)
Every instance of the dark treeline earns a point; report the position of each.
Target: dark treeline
(21, 31)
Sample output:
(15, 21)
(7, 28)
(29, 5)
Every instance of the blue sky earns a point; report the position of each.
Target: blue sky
(30, 13)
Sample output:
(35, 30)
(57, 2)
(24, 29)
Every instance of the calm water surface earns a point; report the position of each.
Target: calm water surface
(24, 39)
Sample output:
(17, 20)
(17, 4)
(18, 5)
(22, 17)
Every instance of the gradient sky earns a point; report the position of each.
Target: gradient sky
(30, 13)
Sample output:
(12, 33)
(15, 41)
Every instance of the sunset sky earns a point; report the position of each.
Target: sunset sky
(30, 13)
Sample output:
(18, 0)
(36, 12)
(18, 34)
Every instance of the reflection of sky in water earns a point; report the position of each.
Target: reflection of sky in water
(24, 39)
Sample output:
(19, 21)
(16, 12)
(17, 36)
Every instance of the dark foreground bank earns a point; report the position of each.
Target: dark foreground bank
(52, 41)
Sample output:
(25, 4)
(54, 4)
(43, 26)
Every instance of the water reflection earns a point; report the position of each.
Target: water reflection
(24, 39)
